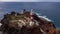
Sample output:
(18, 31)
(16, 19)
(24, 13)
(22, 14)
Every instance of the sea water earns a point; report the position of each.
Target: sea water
(49, 9)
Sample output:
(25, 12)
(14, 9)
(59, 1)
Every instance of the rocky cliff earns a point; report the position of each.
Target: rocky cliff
(26, 23)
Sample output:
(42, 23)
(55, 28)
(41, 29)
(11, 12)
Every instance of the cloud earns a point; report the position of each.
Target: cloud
(29, 0)
(0, 8)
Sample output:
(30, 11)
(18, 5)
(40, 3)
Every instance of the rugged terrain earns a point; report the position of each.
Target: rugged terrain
(58, 31)
(26, 23)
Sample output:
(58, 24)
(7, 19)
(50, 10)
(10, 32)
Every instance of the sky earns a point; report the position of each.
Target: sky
(29, 0)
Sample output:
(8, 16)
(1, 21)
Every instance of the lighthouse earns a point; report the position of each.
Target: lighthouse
(31, 14)
(31, 18)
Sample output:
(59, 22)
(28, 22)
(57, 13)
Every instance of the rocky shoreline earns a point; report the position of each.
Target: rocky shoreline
(26, 23)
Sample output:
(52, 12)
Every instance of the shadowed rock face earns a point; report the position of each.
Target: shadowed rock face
(16, 23)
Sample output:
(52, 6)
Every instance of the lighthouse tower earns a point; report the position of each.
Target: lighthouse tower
(31, 18)
(31, 14)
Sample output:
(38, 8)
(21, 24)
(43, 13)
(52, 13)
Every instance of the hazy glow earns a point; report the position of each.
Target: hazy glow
(19, 0)
(29, 0)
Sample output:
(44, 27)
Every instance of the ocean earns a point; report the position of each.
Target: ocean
(49, 9)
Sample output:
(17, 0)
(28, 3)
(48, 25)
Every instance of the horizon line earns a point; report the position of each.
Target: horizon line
(29, 1)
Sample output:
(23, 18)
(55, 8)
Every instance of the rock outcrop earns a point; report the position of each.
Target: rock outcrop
(26, 23)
